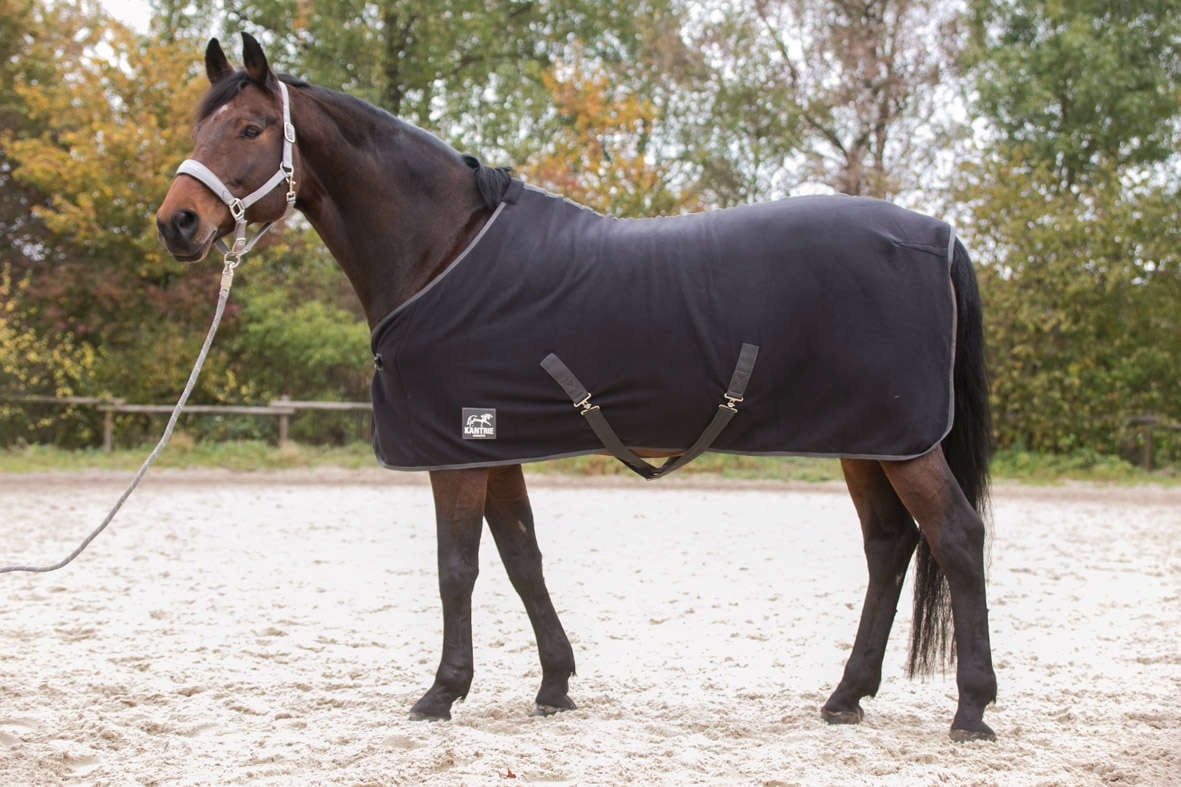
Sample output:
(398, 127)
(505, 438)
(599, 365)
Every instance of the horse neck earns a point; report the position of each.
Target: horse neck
(393, 204)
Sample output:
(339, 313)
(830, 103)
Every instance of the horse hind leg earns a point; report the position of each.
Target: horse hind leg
(459, 511)
(890, 536)
(955, 533)
(510, 518)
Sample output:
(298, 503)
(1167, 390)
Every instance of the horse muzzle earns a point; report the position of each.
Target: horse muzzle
(183, 236)
(190, 219)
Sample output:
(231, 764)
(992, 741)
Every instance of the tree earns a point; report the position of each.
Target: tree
(106, 121)
(1080, 84)
(20, 232)
(1075, 208)
(1080, 290)
(847, 94)
(34, 365)
(601, 153)
(469, 70)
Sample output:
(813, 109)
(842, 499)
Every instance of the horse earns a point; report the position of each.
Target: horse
(397, 208)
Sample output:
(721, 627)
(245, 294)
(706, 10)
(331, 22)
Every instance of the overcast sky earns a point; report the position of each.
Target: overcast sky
(135, 13)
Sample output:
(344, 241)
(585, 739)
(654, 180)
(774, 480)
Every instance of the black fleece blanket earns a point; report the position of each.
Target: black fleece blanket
(848, 299)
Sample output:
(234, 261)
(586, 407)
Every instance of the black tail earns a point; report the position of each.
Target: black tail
(967, 448)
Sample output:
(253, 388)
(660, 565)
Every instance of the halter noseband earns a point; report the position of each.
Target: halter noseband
(238, 206)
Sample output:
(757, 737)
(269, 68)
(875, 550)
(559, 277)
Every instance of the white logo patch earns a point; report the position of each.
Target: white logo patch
(479, 423)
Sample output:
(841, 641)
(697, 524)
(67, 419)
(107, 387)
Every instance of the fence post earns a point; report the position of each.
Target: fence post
(108, 409)
(282, 401)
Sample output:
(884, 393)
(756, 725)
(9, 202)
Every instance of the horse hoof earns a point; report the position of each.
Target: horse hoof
(833, 716)
(984, 733)
(416, 715)
(550, 710)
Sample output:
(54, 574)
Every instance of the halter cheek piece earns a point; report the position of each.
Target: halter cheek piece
(239, 206)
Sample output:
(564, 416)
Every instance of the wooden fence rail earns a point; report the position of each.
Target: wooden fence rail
(293, 405)
(283, 409)
(108, 410)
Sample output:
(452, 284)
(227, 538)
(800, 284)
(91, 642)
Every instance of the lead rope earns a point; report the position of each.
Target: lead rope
(227, 280)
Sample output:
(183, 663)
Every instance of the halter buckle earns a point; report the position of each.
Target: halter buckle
(237, 209)
(291, 190)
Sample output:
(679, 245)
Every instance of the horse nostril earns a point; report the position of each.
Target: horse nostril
(185, 222)
(181, 227)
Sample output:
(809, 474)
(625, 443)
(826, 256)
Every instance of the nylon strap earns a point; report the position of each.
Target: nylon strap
(581, 398)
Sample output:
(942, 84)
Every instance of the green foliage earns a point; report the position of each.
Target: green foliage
(185, 452)
(313, 349)
(1081, 292)
(35, 365)
(1080, 82)
(292, 329)
(296, 329)
(97, 138)
(104, 119)
(468, 70)
(819, 94)
(1018, 464)
(1075, 213)
(601, 154)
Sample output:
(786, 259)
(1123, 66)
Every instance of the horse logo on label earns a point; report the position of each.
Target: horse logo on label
(479, 423)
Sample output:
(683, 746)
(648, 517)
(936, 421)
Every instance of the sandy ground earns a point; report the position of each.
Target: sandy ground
(276, 629)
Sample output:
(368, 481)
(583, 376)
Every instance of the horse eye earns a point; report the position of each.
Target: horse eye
(250, 132)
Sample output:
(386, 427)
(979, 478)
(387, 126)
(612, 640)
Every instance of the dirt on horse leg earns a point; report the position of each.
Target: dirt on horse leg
(459, 513)
(890, 536)
(955, 533)
(510, 518)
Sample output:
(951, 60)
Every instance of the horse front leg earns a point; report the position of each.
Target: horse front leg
(955, 532)
(459, 516)
(890, 536)
(510, 518)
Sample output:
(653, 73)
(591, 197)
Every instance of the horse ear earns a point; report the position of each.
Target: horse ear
(256, 62)
(217, 67)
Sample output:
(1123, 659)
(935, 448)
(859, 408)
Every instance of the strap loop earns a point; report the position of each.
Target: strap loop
(581, 398)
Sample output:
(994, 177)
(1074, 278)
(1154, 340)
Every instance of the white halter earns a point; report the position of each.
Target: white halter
(238, 207)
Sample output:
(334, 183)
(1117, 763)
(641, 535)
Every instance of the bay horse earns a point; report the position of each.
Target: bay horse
(396, 207)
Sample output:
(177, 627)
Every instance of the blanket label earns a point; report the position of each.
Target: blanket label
(479, 423)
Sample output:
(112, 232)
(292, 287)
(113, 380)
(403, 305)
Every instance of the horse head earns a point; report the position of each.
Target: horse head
(393, 203)
(243, 155)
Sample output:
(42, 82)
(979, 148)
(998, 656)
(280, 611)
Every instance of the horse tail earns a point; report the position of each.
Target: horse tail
(967, 448)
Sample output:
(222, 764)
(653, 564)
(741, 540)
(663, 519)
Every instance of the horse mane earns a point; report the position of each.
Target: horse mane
(491, 182)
